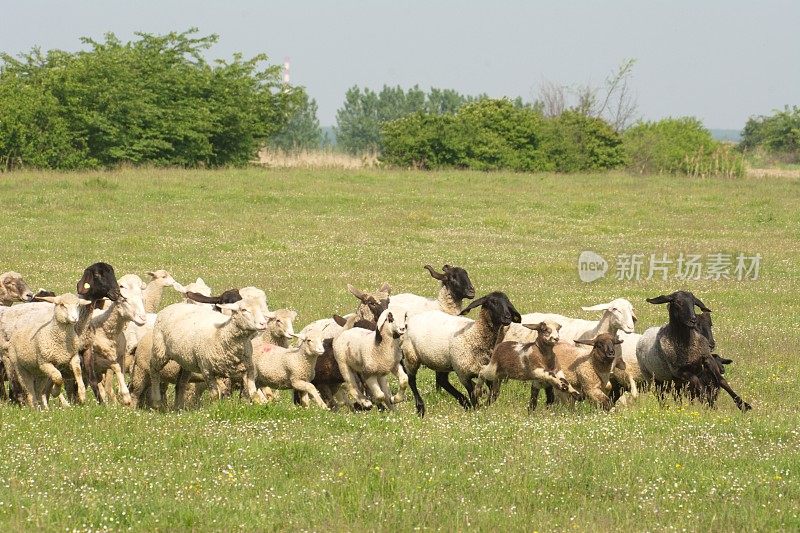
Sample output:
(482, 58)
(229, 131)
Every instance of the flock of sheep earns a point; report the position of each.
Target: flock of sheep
(111, 337)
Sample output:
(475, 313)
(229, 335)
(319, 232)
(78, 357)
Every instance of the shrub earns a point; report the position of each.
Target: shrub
(679, 146)
(153, 100)
(500, 134)
(777, 135)
(576, 142)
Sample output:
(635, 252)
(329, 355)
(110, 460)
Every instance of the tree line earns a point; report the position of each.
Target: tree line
(156, 100)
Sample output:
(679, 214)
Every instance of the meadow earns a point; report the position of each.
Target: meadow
(302, 235)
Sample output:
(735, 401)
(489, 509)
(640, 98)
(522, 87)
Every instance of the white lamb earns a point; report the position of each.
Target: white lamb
(373, 355)
(288, 368)
(39, 351)
(204, 341)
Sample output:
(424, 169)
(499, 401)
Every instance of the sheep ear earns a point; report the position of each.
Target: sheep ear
(381, 320)
(618, 341)
(585, 343)
(340, 320)
(700, 304)
(230, 307)
(361, 295)
(385, 288)
(663, 299)
(51, 299)
(434, 274)
(81, 301)
(151, 273)
(473, 304)
(293, 314)
(534, 327)
(178, 287)
(269, 315)
(598, 307)
(203, 299)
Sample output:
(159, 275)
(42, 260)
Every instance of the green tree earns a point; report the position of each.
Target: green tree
(364, 112)
(302, 131)
(778, 135)
(153, 100)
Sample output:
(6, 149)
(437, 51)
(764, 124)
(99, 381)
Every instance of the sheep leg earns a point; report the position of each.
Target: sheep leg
(249, 385)
(599, 397)
(634, 388)
(442, 378)
(180, 388)
(268, 393)
(108, 385)
(28, 386)
(41, 385)
(139, 378)
(350, 381)
(534, 397)
(53, 374)
(75, 365)
(487, 373)
(402, 380)
(3, 379)
(87, 357)
(377, 394)
(383, 383)
(310, 389)
(123, 388)
(412, 383)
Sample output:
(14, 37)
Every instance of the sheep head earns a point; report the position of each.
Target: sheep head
(547, 330)
(620, 313)
(500, 309)
(14, 289)
(455, 279)
(98, 281)
(681, 307)
(372, 303)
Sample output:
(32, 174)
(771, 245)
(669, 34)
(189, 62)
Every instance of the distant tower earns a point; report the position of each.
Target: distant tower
(286, 67)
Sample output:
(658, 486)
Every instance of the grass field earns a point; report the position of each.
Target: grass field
(302, 236)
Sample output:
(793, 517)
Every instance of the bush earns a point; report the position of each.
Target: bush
(679, 146)
(778, 135)
(154, 100)
(576, 142)
(501, 134)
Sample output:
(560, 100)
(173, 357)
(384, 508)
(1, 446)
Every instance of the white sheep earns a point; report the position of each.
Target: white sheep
(198, 286)
(204, 341)
(38, 351)
(288, 368)
(617, 314)
(372, 355)
(109, 341)
(155, 289)
(446, 343)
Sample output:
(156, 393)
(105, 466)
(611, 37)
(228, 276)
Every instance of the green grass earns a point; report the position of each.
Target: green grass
(302, 236)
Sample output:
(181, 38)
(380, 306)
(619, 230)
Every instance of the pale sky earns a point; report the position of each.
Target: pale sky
(721, 60)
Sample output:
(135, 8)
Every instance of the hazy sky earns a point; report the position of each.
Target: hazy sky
(720, 60)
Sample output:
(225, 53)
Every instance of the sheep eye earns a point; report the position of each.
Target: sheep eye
(279, 322)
